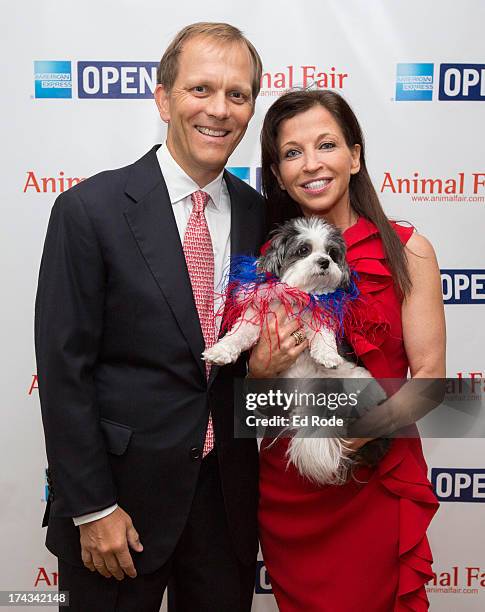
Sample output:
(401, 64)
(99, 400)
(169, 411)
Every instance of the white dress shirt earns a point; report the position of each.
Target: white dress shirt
(218, 215)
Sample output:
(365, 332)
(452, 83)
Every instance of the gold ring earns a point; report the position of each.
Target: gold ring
(299, 336)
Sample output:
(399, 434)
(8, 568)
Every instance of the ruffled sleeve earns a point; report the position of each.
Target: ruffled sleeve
(368, 326)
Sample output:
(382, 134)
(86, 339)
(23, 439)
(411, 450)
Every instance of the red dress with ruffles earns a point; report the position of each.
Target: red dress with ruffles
(360, 547)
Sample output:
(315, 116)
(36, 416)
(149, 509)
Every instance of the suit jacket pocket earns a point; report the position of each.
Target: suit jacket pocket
(117, 436)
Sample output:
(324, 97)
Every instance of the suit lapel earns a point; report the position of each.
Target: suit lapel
(242, 239)
(151, 220)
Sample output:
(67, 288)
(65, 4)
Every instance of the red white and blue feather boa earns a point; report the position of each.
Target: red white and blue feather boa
(252, 296)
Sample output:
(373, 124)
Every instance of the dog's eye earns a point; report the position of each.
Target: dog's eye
(333, 253)
(303, 250)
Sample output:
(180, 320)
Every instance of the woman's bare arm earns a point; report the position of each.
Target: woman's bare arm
(423, 316)
(424, 335)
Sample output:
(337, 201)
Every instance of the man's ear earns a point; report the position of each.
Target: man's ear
(355, 152)
(163, 103)
(276, 172)
(253, 108)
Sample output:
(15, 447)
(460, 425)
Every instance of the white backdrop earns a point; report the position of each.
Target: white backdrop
(383, 52)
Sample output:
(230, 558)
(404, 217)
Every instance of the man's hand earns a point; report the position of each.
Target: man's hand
(276, 349)
(104, 545)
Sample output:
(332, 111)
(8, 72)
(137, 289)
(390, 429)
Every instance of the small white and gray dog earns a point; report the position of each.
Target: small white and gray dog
(308, 254)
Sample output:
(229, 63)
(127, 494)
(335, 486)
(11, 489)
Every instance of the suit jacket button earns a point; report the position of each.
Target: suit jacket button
(195, 453)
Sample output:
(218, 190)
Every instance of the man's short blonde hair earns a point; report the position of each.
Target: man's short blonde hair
(223, 32)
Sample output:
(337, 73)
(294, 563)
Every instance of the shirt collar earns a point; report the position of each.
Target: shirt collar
(180, 185)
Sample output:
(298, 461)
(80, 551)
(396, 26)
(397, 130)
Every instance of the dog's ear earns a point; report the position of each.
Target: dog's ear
(345, 282)
(274, 255)
(338, 242)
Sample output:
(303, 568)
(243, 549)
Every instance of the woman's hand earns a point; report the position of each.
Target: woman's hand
(354, 444)
(276, 349)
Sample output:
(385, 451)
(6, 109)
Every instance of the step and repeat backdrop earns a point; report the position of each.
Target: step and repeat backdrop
(79, 100)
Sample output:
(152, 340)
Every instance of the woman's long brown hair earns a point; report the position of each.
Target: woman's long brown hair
(363, 197)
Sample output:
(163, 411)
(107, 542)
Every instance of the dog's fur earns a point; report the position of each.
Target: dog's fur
(309, 254)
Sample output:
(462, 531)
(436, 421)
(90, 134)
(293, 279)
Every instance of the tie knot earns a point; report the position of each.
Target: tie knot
(199, 200)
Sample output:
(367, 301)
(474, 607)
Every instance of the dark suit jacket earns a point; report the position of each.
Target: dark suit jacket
(123, 391)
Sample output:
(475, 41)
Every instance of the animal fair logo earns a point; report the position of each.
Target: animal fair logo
(33, 385)
(45, 577)
(458, 579)
(469, 384)
(421, 189)
(35, 182)
(276, 82)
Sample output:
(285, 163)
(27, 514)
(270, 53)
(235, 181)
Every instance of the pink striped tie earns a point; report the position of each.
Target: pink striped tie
(199, 257)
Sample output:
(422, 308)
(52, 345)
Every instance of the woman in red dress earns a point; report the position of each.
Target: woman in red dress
(361, 546)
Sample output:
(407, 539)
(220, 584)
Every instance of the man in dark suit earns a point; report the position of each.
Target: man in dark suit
(146, 481)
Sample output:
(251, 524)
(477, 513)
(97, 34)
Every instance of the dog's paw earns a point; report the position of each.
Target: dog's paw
(332, 361)
(220, 354)
(328, 359)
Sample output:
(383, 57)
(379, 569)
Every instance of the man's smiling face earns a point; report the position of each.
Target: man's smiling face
(209, 106)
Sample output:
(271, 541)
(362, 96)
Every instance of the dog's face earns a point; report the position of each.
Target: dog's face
(309, 254)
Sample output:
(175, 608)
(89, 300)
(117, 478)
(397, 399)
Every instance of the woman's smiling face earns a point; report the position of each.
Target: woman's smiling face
(315, 163)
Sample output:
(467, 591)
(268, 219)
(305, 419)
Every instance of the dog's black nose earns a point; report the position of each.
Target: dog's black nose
(323, 263)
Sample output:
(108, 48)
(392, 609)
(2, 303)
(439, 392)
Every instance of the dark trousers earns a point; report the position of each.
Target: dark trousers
(204, 574)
